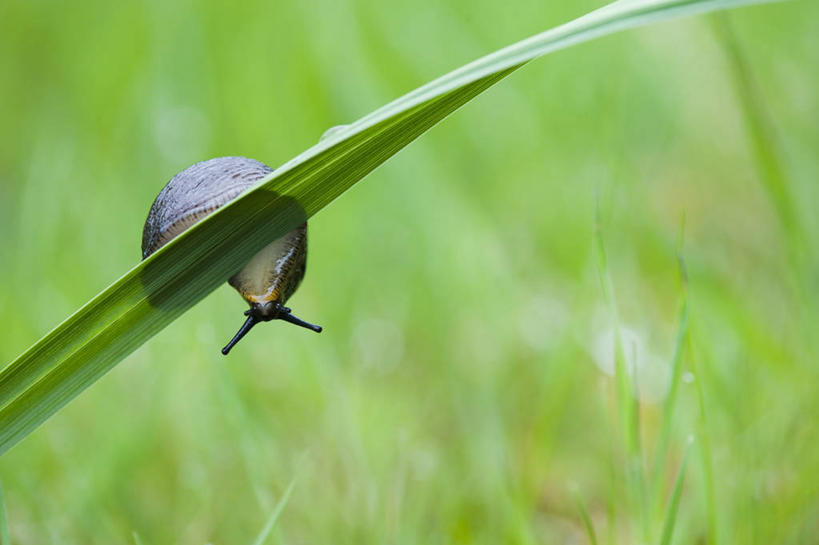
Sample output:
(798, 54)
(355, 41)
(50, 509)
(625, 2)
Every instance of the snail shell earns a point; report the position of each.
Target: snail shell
(272, 275)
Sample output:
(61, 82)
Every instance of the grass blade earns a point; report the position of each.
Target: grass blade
(154, 293)
(676, 375)
(674, 503)
(626, 390)
(274, 516)
(704, 444)
(584, 514)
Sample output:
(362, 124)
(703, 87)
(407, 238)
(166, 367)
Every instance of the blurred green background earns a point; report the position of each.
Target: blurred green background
(461, 390)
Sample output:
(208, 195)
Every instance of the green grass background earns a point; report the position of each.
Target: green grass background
(456, 394)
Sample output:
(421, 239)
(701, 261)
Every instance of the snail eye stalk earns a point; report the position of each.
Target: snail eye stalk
(247, 326)
(287, 317)
(254, 316)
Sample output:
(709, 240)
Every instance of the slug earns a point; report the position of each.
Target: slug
(268, 280)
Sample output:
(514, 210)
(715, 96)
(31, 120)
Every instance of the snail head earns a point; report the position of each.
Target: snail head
(264, 312)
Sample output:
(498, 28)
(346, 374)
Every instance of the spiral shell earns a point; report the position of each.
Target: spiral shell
(272, 275)
(196, 192)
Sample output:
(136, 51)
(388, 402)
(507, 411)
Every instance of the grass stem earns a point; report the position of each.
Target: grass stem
(261, 539)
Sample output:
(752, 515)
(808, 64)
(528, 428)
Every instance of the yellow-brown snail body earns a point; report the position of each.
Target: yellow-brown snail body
(271, 276)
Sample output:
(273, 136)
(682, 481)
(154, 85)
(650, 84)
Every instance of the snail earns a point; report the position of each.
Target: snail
(271, 276)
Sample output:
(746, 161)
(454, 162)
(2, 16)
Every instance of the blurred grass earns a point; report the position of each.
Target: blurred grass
(674, 504)
(586, 518)
(454, 394)
(4, 525)
(264, 535)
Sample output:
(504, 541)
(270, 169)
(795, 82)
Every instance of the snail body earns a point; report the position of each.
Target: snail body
(268, 280)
